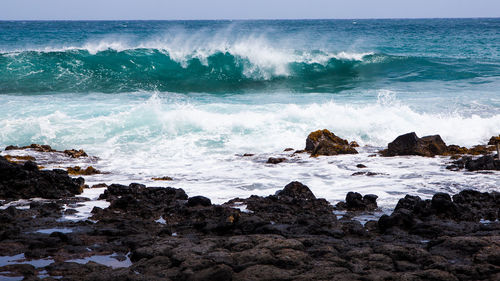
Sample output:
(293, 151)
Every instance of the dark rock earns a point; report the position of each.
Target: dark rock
(370, 174)
(288, 149)
(26, 181)
(483, 163)
(297, 190)
(273, 160)
(411, 144)
(324, 142)
(360, 166)
(356, 202)
(486, 162)
(165, 178)
(248, 154)
(198, 201)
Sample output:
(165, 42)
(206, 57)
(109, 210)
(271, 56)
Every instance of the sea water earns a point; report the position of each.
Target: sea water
(187, 99)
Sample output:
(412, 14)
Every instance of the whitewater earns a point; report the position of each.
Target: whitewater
(188, 99)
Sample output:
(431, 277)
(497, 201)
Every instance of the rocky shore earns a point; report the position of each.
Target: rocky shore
(153, 233)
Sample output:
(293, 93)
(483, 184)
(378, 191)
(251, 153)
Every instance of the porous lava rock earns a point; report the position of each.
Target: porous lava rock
(324, 142)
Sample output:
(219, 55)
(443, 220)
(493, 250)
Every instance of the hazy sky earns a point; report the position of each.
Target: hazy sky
(244, 9)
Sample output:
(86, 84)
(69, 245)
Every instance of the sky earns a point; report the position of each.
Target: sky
(243, 9)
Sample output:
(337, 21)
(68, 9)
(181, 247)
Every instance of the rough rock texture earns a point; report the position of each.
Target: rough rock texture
(288, 236)
(77, 170)
(356, 202)
(26, 181)
(411, 144)
(73, 153)
(324, 142)
(419, 216)
(487, 162)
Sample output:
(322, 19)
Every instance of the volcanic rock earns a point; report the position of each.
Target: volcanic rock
(411, 144)
(26, 181)
(324, 142)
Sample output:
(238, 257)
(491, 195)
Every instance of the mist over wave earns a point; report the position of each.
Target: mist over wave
(222, 62)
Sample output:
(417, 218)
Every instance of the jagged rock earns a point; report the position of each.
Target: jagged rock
(73, 153)
(77, 170)
(297, 190)
(411, 144)
(26, 181)
(468, 205)
(486, 162)
(356, 202)
(324, 142)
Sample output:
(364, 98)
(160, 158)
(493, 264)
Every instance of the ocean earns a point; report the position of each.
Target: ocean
(187, 99)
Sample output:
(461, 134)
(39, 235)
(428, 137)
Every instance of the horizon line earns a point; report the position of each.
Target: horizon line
(255, 19)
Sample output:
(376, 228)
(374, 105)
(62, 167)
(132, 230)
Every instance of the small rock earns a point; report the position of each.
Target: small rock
(73, 153)
(360, 166)
(77, 170)
(165, 178)
(273, 160)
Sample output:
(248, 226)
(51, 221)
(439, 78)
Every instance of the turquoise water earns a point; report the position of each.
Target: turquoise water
(185, 98)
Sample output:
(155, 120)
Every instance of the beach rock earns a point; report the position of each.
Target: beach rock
(297, 190)
(324, 142)
(26, 181)
(198, 201)
(411, 144)
(370, 174)
(273, 160)
(288, 236)
(165, 178)
(412, 212)
(73, 153)
(77, 170)
(483, 163)
(356, 202)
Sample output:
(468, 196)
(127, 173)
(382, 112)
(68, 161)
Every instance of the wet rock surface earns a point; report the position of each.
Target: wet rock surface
(484, 163)
(73, 153)
(411, 144)
(356, 202)
(162, 234)
(26, 181)
(324, 142)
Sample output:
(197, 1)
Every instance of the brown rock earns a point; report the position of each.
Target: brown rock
(77, 170)
(324, 142)
(73, 153)
(273, 160)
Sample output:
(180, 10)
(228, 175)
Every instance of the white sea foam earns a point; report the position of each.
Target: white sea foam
(140, 136)
(260, 56)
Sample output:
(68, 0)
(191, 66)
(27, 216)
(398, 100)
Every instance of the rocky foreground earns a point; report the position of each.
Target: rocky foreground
(162, 234)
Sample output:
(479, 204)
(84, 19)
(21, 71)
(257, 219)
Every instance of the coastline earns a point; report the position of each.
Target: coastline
(161, 233)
